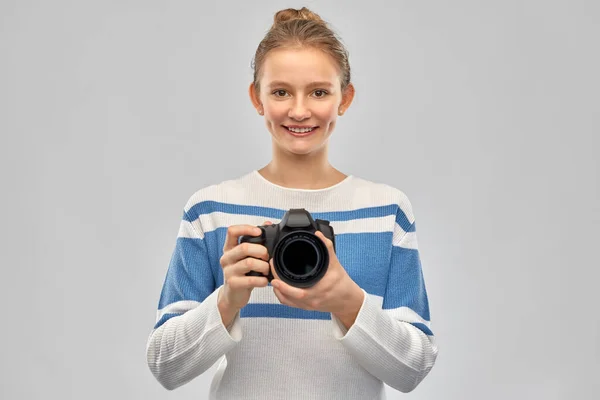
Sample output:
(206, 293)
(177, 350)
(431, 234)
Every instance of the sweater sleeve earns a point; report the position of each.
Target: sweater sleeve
(188, 336)
(393, 339)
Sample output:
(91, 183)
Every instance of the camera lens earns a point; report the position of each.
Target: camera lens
(301, 259)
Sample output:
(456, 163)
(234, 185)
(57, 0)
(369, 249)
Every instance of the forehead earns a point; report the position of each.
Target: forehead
(299, 67)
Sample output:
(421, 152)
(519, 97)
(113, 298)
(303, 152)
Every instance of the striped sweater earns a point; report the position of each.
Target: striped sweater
(273, 351)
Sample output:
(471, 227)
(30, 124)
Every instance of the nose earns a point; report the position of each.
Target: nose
(299, 111)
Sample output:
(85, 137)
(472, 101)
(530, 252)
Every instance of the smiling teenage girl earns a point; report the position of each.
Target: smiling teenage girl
(365, 323)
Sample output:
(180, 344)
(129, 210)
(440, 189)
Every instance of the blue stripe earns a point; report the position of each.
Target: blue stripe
(365, 256)
(193, 274)
(280, 311)
(406, 287)
(207, 207)
(403, 221)
(423, 328)
(283, 311)
(165, 318)
(189, 276)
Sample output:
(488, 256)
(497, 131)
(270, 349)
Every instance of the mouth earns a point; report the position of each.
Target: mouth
(303, 132)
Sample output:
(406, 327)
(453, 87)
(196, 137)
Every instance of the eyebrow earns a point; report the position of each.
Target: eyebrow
(313, 84)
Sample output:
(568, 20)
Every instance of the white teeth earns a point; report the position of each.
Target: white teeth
(302, 130)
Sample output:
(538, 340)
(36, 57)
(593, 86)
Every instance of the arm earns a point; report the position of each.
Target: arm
(189, 335)
(393, 341)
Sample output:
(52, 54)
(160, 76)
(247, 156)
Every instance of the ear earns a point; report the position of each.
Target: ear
(347, 97)
(254, 98)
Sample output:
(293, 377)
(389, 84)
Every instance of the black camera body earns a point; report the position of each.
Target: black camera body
(300, 258)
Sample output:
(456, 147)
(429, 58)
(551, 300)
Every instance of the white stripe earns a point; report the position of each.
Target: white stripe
(265, 295)
(252, 190)
(376, 299)
(224, 220)
(178, 307)
(408, 315)
(406, 240)
(398, 234)
(187, 231)
(365, 225)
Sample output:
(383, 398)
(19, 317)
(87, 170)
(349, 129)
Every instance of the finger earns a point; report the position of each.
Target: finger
(328, 243)
(289, 291)
(235, 231)
(268, 223)
(246, 282)
(246, 265)
(283, 299)
(272, 267)
(279, 296)
(244, 250)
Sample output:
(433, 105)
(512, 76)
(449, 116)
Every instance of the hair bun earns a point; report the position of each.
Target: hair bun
(291, 13)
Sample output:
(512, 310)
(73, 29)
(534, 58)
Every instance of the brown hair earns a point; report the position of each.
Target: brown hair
(297, 29)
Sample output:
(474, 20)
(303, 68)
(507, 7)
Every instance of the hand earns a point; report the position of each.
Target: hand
(336, 292)
(237, 260)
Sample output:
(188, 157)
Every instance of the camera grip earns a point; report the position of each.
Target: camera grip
(254, 273)
(256, 240)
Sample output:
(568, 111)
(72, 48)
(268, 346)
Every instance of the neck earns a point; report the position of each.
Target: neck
(307, 171)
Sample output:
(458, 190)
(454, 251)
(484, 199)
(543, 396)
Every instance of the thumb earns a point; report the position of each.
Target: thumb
(328, 244)
(273, 269)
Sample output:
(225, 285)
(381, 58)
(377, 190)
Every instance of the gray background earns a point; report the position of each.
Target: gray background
(484, 113)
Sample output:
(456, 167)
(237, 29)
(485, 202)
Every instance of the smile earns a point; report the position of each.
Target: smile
(301, 132)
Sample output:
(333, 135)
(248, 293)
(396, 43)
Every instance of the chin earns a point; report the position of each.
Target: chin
(299, 151)
(302, 150)
(298, 146)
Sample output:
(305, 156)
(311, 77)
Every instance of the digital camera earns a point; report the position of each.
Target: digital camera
(300, 258)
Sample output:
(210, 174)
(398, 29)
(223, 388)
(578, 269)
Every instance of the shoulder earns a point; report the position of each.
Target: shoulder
(380, 193)
(221, 192)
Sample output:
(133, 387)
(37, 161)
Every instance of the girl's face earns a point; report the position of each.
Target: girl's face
(300, 96)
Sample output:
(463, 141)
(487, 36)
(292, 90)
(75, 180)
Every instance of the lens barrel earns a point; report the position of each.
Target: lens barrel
(301, 258)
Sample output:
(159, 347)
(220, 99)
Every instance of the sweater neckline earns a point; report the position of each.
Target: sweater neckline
(288, 189)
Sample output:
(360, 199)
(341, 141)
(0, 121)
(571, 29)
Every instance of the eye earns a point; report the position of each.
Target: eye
(279, 91)
(323, 92)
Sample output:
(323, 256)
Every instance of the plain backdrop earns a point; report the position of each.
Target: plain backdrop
(486, 114)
